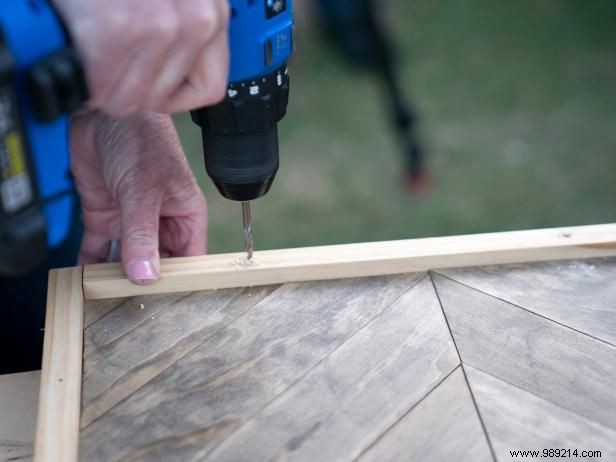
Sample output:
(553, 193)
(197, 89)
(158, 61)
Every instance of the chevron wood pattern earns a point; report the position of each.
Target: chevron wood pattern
(451, 365)
(517, 419)
(444, 426)
(578, 294)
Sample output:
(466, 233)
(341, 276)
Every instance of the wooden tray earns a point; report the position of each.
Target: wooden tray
(275, 367)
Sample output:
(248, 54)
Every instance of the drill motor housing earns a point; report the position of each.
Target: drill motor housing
(240, 135)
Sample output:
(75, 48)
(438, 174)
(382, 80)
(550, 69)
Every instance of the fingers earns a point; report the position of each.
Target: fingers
(183, 223)
(137, 188)
(94, 248)
(153, 40)
(207, 81)
(146, 240)
(183, 236)
(133, 90)
(140, 210)
(138, 54)
(203, 22)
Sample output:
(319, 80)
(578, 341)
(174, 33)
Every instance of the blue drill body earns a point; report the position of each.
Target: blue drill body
(33, 31)
(261, 42)
(250, 31)
(240, 135)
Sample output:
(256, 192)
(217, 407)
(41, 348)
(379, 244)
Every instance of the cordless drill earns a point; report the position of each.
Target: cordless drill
(240, 135)
(42, 81)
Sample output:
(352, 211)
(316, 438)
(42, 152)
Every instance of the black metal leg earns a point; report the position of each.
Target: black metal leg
(355, 28)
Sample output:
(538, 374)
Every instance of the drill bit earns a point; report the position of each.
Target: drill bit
(247, 220)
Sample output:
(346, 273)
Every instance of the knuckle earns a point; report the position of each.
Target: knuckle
(163, 28)
(114, 110)
(204, 20)
(216, 89)
(225, 10)
(134, 236)
(211, 21)
(205, 24)
(118, 22)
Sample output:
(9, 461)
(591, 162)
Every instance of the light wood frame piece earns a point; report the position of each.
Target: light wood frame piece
(57, 433)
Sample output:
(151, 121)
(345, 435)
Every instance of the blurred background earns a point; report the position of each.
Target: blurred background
(516, 116)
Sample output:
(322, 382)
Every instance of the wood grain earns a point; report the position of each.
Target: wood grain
(444, 426)
(142, 337)
(18, 404)
(357, 391)
(357, 260)
(579, 294)
(556, 363)
(195, 404)
(96, 309)
(57, 431)
(518, 420)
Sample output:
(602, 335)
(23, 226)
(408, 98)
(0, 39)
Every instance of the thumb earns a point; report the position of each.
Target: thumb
(140, 257)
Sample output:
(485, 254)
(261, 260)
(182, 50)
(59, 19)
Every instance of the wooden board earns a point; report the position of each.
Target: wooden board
(357, 260)
(117, 359)
(232, 374)
(358, 369)
(60, 395)
(356, 392)
(18, 403)
(519, 420)
(183, 374)
(574, 293)
(444, 426)
(552, 361)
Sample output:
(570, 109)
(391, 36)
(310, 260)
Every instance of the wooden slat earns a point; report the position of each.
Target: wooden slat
(97, 309)
(444, 426)
(57, 430)
(357, 392)
(356, 260)
(18, 403)
(579, 294)
(554, 362)
(194, 405)
(518, 420)
(145, 336)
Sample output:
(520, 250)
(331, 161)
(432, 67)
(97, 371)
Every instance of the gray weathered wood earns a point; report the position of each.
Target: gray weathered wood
(580, 294)
(141, 337)
(518, 420)
(362, 368)
(444, 426)
(554, 362)
(18, 405)
(97, 309)
(357, 391)
(237, 369)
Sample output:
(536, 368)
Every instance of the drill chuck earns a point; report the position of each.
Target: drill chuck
(240, 135)
(242, 166)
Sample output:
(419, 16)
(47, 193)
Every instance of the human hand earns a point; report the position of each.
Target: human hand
(160, 55)
(135, 186)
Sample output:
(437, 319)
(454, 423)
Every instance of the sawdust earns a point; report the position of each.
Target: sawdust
(243, 262)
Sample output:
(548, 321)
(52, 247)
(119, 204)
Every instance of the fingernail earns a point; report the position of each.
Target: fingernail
(142, 272)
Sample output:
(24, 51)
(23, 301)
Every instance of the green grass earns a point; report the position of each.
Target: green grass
(518, 114)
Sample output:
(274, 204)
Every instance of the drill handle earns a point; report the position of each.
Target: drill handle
(57, 85)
